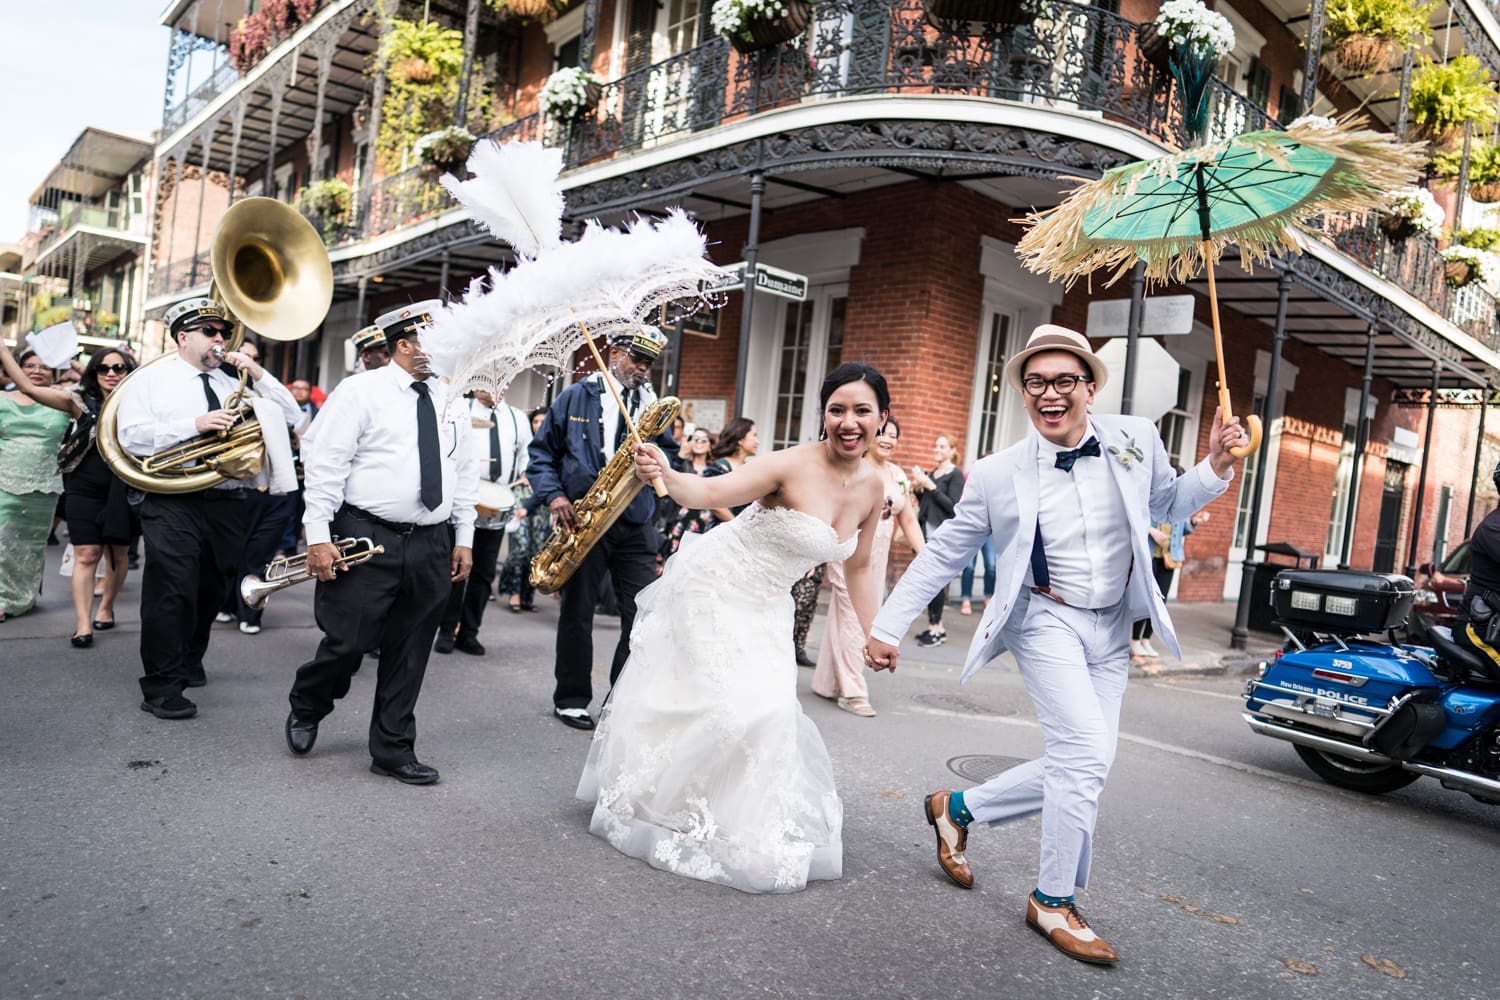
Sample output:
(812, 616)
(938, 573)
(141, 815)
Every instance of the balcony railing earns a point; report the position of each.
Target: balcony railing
(222, 79)
(181, 275)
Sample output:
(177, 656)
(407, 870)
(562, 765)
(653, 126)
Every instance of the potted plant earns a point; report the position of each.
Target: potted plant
(1363, 35)
(423, 63)
(752, 25)
(328, 202)
(1185, 25)
(1413, 210)
(528, 11)
(976, 15)
(568, 93)
(446, 150)
(1447, 96)
(1484, 169)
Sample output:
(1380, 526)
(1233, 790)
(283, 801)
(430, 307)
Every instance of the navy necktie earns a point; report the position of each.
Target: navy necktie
(632, 400)
(209, 394)
(495, 464)
(1089, 449)
(427, 448)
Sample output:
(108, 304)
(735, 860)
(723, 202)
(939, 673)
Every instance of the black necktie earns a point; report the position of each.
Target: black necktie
(1089, 449)
(427, 448)
(495, 466)
(632, 400)
(209, 394)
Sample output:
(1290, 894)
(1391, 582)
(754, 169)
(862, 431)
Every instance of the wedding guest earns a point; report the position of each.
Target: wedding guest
(528, 530)
(737, 444)
(938, 494)
(29, 482)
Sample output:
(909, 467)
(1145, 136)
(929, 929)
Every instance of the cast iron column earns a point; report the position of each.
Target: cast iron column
(1404, 97)
(471, 31)
(1241, 633)
(1133, 335)
(1484, 405)
(1361, 438)
(1416, 514)
(752, 246)
(443, 276)
(1313, 56)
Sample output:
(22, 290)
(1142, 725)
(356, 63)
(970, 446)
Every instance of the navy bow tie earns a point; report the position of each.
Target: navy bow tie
(1089, 449)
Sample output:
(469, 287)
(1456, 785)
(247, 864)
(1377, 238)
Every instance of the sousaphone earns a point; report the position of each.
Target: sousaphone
(271, 274)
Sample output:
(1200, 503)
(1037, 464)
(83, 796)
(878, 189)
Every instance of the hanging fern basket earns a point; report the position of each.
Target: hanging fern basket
(1361, 55)
(1488, 192)
(1458, 273)
(1155, 47)
(974, 16)
(1398, 229)
(767, 32)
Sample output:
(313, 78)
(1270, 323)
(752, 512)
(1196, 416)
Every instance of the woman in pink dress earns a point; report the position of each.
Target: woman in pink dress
(840, 671)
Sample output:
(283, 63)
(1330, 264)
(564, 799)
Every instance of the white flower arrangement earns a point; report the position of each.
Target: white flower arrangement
(1486, 263)
(566, 92)
(1314, 121)
(1188, 24)
(439, 148)
(731, 17)
(1418, 207)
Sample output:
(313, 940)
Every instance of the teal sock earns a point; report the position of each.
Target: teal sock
(957, 812)
(1052, 901)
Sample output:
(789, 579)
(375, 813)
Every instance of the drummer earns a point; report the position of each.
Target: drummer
(501, 435)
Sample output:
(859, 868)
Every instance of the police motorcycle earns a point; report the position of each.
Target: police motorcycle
(1365, 711)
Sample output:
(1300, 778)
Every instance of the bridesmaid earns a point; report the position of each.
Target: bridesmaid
(29, 482)
(100, 521)
(840, 671)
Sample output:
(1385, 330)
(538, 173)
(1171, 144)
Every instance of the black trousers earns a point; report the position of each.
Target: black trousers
(627, 555)
(265, 520)
(194, 542)
(467, 598)
(395, 600)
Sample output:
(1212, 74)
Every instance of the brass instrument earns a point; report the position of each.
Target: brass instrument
(601, 506)
(271, 274)
(292, 570)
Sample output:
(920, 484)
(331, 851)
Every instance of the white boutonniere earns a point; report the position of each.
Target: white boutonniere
(1129, 454)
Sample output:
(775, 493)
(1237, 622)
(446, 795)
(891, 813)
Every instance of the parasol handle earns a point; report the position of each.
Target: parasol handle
(656, 484)
(1226, 413)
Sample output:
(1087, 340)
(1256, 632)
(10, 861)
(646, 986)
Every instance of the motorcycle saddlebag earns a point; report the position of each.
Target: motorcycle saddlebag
(1341, 601)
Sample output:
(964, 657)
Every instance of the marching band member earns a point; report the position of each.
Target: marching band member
(500, 452)
(391, 466)
(195, 539)
(370, 346)
(579, 436)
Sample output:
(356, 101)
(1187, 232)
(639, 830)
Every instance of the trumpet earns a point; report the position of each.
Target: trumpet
(292, 570)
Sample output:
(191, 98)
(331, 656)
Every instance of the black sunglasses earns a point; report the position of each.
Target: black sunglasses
(114, 369)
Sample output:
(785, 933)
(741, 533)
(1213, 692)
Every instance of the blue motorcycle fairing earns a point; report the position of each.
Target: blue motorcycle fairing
(1467, 711)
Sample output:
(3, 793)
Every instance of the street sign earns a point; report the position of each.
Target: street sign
(1155, 379)
(1164, 315)
(767, 279)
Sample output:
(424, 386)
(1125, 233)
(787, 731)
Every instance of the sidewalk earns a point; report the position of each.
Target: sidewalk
(1203, 631)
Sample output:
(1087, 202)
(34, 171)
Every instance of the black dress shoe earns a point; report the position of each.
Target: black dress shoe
(444, 644)
(173, 706)
(300, 734)
(103, 626)
(578, 718)
(84, 641)
(412, 772)
(803, 660)
(469, 644)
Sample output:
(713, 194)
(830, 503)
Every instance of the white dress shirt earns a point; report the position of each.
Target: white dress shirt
(513, 427)
(163, 402)
(609, 419)
(367, 456)
(1085, 528)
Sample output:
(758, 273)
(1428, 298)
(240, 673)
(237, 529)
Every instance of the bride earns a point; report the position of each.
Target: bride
(703, 763)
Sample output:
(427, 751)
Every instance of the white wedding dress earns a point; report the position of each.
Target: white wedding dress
(703, 763)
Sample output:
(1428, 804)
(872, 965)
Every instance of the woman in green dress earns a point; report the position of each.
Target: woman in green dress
(29, 485)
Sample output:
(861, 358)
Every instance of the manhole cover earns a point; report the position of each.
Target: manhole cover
(958, 703)
(980, 768)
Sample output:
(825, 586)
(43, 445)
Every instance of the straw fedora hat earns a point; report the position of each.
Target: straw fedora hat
(1049, 337)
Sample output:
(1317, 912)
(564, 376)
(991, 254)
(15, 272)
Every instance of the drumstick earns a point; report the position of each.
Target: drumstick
(656, 484)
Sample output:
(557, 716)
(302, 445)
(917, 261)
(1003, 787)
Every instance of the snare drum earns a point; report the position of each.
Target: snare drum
(494, 499)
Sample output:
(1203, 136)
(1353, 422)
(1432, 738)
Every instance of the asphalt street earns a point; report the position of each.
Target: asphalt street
(198, 859)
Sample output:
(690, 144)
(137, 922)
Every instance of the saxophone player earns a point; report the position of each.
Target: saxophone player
(580, 434)
(194, 541)
(390, 465)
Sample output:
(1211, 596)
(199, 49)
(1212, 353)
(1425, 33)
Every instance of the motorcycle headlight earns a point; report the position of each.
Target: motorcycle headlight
(1425, 596)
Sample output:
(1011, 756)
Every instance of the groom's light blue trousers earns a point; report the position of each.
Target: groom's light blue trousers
(1075, 663)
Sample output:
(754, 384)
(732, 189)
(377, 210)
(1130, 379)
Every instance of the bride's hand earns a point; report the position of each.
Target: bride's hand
(650, 464)
(881, 655)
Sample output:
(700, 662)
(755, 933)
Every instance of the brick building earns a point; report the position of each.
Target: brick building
(886, 156)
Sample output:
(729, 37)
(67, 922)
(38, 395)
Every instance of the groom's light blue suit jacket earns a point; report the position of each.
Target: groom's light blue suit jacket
(1000, 499)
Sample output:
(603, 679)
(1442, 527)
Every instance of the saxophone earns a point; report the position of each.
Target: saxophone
(601, 506)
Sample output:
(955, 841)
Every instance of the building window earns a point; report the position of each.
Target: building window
(1342, 476)
(1248, 478)
(1288, 105)
(1174, 423)
(991, 408)
(806, 357)
(1258, 84)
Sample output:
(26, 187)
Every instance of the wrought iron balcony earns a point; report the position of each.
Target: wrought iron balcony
(222, 79)
(181, 275)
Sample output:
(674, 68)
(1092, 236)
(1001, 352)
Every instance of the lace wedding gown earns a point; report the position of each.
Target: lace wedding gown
(703, 763)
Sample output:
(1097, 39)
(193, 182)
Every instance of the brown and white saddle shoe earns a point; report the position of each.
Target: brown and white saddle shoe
(1065, 927)
(951, 840)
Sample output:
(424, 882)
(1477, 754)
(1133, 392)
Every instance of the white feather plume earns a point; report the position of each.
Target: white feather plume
(514, 193)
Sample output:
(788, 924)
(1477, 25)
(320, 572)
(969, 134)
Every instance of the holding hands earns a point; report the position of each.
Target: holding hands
(881, 655)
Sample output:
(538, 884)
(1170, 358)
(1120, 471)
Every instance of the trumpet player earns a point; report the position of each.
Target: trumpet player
(500, 434)
(194, 540)
(392, 466)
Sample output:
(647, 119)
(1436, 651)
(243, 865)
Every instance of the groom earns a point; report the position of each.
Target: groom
(1069, 509)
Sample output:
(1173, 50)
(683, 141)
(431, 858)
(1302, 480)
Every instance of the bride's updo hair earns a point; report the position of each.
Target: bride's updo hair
(853, 371)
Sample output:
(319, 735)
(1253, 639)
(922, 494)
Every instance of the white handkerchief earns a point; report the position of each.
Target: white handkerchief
(55, 345)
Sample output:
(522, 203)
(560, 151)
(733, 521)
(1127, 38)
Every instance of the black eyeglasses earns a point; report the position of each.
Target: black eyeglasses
(1035, 385)
(113, 369)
